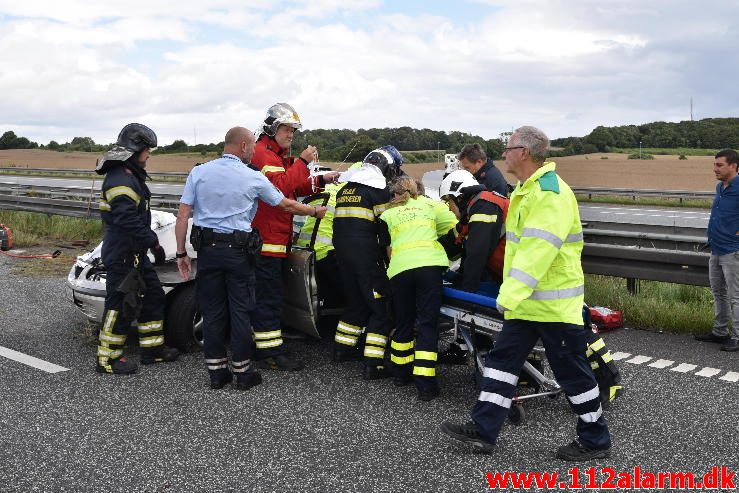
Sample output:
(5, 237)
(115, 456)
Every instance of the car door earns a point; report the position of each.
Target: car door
(301, 305)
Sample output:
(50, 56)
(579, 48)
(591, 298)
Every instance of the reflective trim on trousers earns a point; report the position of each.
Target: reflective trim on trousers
(402, 346)
(592, 417)
(241, 366)
(590, 395)
(374, 352)
(495, 399)
(268, 344)
(401, 360)
(426, 355)
(377, 339)
(343, 339)
(501, 376)
(423, 371)
(348, 328)
(151, 341)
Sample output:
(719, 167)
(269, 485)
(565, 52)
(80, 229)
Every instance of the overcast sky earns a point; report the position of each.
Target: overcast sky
(191, 69)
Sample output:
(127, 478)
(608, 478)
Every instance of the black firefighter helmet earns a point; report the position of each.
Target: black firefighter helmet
(133, 138)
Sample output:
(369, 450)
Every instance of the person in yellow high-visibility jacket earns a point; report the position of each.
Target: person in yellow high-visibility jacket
(541, 298)
(329, 284)
(417, 263)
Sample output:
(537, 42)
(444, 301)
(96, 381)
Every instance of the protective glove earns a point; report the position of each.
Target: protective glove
(159, 255)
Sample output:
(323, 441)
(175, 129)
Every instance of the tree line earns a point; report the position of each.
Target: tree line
(709, 133)
(423, 145)
(333, 144)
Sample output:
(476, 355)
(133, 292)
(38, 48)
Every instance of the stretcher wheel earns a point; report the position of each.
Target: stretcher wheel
(516, 414)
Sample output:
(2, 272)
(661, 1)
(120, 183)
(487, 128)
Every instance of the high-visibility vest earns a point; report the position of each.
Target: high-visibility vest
(324, 236)
(542, 273)
(413, 235)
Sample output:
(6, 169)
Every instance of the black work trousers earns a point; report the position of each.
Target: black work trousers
(225, 291)
(416, 303)
(116, 325)
(366, 289)
(268, 311)
(565, 346)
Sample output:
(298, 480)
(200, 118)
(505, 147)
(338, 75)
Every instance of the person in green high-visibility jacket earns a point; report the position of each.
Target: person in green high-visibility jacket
(541, 298)
(329, 284)
(417, 264)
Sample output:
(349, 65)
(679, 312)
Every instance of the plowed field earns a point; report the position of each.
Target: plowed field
(591, 170)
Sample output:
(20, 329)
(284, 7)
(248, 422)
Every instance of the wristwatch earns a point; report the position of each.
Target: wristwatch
(180, 255)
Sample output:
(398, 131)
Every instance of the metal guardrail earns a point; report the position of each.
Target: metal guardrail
(610, 251)
(635, 192)
(90, 172)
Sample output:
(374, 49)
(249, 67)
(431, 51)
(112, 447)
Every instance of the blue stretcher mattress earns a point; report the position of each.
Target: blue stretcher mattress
(467, 297)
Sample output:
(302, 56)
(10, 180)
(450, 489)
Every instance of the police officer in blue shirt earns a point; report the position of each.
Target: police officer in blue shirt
(222, 196)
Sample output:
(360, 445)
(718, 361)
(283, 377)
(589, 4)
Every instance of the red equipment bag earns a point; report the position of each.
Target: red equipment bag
(606, 319)
(6, 238)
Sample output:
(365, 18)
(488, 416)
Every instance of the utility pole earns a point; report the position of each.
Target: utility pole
(691, 108)
(640, 150)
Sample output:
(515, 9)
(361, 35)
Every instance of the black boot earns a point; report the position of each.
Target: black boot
(576, 451)
(283, 362)
(165, 355)
(454, 355)
(248, 380)
(374, 372)
(119, 366)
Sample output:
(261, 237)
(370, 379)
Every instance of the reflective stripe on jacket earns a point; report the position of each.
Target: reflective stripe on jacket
(324, 236)
(413, 234)
(542, 274)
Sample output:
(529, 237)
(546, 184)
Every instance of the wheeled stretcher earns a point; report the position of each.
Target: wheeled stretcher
(475, 319)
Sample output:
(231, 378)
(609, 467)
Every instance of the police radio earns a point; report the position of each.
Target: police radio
(6, 238)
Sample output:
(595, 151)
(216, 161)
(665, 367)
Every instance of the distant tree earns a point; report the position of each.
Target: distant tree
(8, 140)
(53, 145)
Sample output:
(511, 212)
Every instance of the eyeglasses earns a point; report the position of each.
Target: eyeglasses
(506, 149)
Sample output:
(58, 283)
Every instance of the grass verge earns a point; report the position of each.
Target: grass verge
(33, 228)
(666, 202)
(656, 306)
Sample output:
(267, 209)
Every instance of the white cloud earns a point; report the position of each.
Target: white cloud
(75, 68)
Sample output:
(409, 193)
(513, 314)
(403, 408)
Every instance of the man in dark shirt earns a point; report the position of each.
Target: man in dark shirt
(473, 159)
(723, 238)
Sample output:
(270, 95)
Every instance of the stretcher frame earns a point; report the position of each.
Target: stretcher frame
(470, 319)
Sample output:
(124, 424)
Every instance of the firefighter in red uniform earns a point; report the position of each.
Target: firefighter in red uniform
(290, 175)
(480, 233)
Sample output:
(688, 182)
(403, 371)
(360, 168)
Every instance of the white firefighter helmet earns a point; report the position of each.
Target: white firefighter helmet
(455, 181)
(280, 114)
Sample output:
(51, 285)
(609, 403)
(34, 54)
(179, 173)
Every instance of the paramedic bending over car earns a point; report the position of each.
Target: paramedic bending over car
(222, 196)
(291, 176)
(411, 226)
(133, 291)
(541, 297)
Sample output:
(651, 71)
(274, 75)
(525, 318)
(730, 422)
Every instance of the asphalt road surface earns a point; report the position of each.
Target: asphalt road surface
(65, 428)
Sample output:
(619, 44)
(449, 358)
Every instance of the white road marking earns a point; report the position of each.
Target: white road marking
(31, 361)
(638, 360)
(731, 376)
(708, 372)
(684, 368)
(661, 363)
(619, 355)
